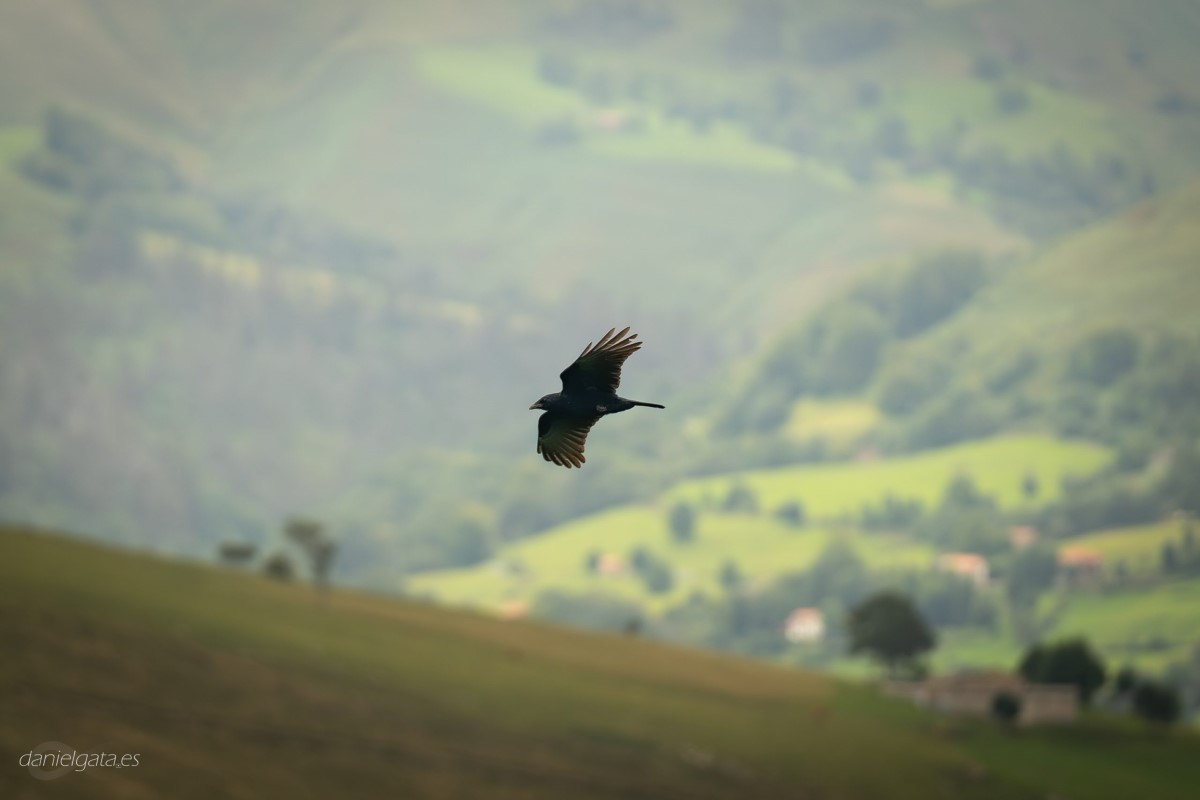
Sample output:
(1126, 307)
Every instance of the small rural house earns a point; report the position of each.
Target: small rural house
(1022, 536)
(971, 566)
(610, 565)
(804, 625)
(971, 693)
(1079, 565)
(513, 609)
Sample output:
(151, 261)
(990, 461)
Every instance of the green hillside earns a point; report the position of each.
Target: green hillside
(1139, 547)
(228, 684)
(1134, 271)
(333, 224)
(762, 545)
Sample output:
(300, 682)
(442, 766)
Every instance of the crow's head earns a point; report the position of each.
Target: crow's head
(544, 402)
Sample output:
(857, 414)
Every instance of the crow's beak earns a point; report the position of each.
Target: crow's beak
(538, 404)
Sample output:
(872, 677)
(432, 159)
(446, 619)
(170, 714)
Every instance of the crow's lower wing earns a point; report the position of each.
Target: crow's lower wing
(561, 439)
(599, 365)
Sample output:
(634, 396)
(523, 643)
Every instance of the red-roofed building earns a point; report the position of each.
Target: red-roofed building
(610, 565)
(1022, 536)
(513, 609)
(971, 566)
(1080, 564)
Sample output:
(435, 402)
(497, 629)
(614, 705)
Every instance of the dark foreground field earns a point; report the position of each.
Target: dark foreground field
(228, 685)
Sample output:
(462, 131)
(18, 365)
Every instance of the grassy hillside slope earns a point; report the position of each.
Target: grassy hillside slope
(229, 685)
(1135, 270)
(761, 544)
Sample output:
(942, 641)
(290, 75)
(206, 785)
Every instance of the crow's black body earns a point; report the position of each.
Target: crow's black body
(589, 392)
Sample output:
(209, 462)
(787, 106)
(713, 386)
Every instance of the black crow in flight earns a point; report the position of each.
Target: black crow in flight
(589, 391)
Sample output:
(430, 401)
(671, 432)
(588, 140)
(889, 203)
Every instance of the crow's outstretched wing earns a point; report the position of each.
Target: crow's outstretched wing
(599, 365)
(561, 439)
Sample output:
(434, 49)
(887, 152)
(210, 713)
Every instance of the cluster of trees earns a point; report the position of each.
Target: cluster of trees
(1043, 193)
(1127, 389)
(1157, 701)
(764, 30)
(965, 520)
(739, 499)
(309, 541)
(596, 610)
(1131, 390)
(840, 349)
(1181, 557)
(611, 22)
(749, 620)
(1073, 661)
(654, 571)
(78, 155)
(1114, 498)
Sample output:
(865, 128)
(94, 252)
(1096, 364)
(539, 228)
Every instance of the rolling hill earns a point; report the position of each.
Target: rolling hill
(372, 211)
(229, 684)
(761, 544)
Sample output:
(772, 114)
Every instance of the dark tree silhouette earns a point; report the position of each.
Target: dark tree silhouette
(309, 535)
(682, 523)
(740, 499)
(888, 628)
(730, 576)
(1126, 681)
(793, 513)
(1068, 661)
(1157, 702)
(1006, 707)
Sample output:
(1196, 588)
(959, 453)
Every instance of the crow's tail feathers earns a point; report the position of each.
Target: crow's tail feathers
(648, 405)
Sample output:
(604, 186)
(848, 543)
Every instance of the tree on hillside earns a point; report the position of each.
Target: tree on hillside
(1180, 487)
(730, 576)
(850, 338)
(1029, 486)
(310, 537)
(1169, 558)
(1126, 681)
(1157, 702)
(792, 513)
(1068, 661)
(1012, 100)
(655, 572)
(741, 498)
(1032, 572)
(682, 523)
(888, 628)
(591, 610)
(961, 492)
(1103, 357)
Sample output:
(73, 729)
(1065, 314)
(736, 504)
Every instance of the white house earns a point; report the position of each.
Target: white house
(804, 625)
